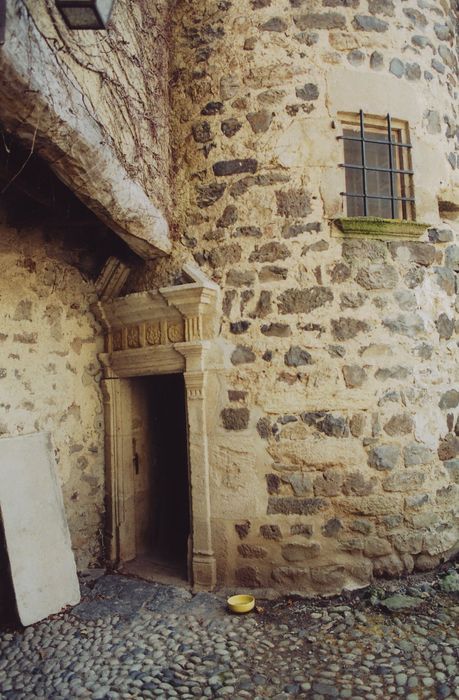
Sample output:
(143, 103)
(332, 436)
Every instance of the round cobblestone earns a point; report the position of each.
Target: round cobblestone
(133, 639)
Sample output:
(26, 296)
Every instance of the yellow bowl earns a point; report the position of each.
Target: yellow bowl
(241, 603)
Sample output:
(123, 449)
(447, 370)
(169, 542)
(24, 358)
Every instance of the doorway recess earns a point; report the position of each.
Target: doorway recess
(161, 482)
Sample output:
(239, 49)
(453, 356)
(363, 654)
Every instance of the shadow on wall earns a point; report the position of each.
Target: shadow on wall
(33, 196)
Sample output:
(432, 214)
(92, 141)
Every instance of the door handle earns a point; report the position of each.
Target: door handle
(135, 457)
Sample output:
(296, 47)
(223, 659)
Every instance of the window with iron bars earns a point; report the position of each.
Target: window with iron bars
(377, 163)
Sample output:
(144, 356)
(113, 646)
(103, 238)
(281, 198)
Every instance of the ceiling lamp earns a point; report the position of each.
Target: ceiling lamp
(85, 14)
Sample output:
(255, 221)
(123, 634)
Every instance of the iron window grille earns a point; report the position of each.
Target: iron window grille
(377, 163)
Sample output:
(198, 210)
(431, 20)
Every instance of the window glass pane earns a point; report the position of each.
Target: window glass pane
(355, 206)
(400, 190)
(404, 188)
(352, 149)
(354, 181)
(400, 157)
(378, 183)
(408, 211)
(379, 207)
(376, 154)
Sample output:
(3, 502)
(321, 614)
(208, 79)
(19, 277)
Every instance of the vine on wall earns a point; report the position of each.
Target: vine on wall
(122, 76)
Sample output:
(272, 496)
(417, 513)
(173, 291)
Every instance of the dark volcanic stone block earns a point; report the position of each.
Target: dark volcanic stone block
(234, 167)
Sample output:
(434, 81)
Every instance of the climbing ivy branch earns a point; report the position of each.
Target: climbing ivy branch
(122, 78)
(29, 155)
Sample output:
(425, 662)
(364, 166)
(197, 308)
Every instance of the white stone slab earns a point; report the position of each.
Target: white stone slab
(37, 537)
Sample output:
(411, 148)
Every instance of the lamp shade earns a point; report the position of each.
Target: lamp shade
(85, 14)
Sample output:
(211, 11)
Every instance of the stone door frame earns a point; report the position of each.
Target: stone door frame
(159, 332)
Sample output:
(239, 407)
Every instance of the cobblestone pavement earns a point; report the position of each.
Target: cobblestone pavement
(133, 639)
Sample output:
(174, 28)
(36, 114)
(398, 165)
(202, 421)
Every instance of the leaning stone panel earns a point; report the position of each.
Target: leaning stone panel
(37, 537)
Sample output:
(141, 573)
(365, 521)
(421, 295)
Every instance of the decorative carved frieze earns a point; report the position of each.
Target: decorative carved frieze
(133, 337)
(175, 333)
(117, 340)
(193, 328)
(167, 316)
(147, 334)
(195, 393)
(195, 384)
(153, 334)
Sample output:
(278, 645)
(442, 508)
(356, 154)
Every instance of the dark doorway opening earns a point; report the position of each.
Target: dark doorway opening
(8, 610)
(161, 479)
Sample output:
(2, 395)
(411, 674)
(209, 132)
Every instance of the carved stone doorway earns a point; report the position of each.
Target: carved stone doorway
(161, 332)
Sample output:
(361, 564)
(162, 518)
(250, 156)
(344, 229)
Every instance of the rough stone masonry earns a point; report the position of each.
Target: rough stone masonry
(334, 434)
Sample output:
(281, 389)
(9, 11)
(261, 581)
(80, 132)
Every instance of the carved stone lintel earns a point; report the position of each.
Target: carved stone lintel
(104, 359)
(163, 325)
(142, 362)
(140, 335)
(190, 300)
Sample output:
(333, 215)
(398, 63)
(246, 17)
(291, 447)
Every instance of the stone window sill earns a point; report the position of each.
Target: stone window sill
(375, 227)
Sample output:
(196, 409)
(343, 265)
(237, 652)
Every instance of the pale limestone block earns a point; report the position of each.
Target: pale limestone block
(432, 301)
(234, 481)
(292, 146)
(429, 424)
(333, 182)
(266, 76)
(342, 41)
(438, 543)
(317, 391)
(376, 351)
(319, 452)
(430, 172)
(387, 94)
(372, 505)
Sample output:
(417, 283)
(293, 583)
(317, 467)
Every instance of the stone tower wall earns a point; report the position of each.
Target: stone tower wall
(335, 435)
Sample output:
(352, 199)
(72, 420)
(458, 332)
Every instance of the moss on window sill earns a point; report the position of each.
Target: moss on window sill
(375, 227)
